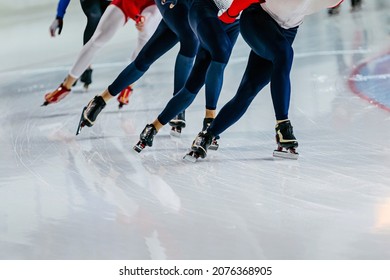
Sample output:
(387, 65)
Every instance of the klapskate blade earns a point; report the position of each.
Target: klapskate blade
(190, 157)
(214, 147)
(286, 155)
(175, 133)
(79, 127)
(138, 147)
(81, 122)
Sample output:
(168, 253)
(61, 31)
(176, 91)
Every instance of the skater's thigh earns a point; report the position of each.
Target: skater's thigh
(112, 19)
(261, 32)
(256, 76)
(152, 19)
(93, 11)
(93, 8)
(177, 20)
(104, 4)
(214, 39)
(200, 10)
(211, 32)
(197, 76)
(162, 40)
(233, 30)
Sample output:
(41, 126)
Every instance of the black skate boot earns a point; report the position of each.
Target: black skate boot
(214, 143)
(90, 112)
(146, 138)
(356, 5)
(287, 143)
(178, 123)
(199, 146)
(86, 78)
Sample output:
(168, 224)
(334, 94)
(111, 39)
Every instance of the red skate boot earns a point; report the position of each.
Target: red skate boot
(123, 97)
(56, 95)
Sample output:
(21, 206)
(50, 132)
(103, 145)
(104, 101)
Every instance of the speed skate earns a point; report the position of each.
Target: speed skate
(146, 138)
(177, 124)
(199, 147)
(286, 141)
(288, 153)
(192, 156)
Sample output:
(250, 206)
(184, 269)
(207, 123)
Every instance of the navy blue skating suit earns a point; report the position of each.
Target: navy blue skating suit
(173, 28)
(216, 43)
(269, 29)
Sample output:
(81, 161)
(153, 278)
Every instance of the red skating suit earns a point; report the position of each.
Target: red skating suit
(132, 8)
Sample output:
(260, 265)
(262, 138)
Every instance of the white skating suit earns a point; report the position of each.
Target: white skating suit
(223, 4)
(115, 16)
(290, 13)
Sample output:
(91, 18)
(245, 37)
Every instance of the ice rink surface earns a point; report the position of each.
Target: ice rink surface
(93, 197)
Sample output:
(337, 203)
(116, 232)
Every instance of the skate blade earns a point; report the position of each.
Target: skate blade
(214, 146)
(199, 151)
(191, 157)
(175, 133)
(80, 127)
(139, 147)
(81, 122)
(285, 154)
(177, 123)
